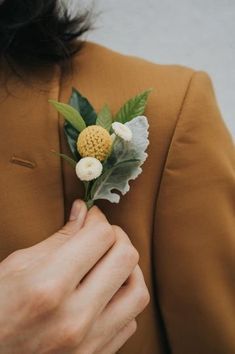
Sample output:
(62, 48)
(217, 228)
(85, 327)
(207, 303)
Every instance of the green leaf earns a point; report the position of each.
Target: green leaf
(85, 108)
(124, 163)
(70, 114)
(104, 118)
(133, 108)
(72, 137)
(66, 158)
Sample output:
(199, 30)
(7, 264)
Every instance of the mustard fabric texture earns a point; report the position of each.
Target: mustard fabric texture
(179, 214)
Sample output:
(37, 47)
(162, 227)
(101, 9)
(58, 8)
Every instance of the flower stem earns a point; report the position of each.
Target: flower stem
(86, 185)
(89, 204)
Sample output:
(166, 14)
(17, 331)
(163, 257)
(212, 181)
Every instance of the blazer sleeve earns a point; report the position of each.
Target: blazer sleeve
(194, 235)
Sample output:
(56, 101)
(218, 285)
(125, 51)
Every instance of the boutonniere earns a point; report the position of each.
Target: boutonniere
(107, 150)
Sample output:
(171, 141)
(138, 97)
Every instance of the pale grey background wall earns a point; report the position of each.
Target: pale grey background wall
(196, 33)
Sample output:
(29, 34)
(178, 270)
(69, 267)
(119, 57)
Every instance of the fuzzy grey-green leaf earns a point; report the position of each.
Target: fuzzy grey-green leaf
(116, 178)
(133, 107)
(70, 114)
(104, 118)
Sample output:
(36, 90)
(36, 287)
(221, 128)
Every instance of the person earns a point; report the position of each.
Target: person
(78, 281)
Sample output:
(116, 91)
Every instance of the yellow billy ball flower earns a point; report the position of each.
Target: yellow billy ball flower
(94, 141)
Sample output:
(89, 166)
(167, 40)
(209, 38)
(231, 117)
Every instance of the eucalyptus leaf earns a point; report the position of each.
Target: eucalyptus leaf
(85, 108)
(70, 114)
(124, 163)
(104, 118)
(133, 107)
(66, 158)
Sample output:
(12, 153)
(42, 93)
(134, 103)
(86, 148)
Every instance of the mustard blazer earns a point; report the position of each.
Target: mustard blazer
(179, 214)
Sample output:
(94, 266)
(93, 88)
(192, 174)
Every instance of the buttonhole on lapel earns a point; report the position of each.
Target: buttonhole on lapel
(22, 162)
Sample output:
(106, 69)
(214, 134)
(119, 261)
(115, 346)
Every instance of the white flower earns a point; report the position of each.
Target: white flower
(122, 131)
(88, 168)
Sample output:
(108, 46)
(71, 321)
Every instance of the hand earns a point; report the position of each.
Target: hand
(77, 292)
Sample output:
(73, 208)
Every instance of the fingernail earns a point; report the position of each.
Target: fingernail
(75, 211)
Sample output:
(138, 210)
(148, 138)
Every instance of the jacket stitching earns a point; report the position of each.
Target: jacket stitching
(23, 162)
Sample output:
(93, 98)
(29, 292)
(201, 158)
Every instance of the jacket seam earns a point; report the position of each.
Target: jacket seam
(165, 338)
(60, 138)
(178, 116)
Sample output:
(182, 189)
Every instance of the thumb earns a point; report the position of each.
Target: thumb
(76, 221)
(76, 218)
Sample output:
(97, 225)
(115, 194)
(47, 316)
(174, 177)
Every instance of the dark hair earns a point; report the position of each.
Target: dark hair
(36, 33)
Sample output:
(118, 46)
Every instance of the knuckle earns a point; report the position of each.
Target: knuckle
(106, 232)
(122, 239)
(142, 297)
(117, 229)
(132, 327)
(120, 234)
(129, 255)
(17, 260)
(59, 238)
(14, 255)
(43, 298)
(72, 334)
(65, 231)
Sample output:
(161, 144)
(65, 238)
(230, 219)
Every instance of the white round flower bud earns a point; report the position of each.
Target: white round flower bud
(88, 168)
(122, 131)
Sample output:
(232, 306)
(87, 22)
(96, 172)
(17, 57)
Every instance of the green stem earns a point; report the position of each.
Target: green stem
(86, 185)
(89, 203)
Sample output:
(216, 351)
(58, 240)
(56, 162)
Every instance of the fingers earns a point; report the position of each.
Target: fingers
(120, 339)
(76, 219)
(104, 280)
(128, 303)
(95, 216)
(123, 308)
(110, 273)
(111, 326)
(68, 264)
